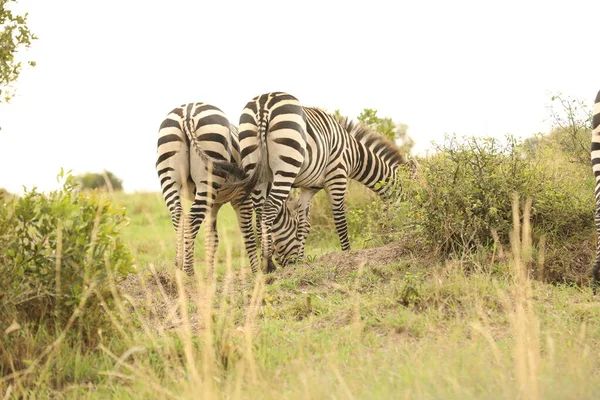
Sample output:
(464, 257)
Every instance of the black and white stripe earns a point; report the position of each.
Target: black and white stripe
(285, 145)
(595, 153)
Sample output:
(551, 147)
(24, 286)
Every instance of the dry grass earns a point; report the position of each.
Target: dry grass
(374, 323)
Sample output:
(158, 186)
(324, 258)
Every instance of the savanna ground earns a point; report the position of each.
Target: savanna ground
(383, 322)
(449, 292)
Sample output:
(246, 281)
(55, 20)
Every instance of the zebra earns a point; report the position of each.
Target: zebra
(595, 153)
(199, 176)
(284, 145)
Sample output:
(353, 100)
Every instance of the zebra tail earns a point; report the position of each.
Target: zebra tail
(261, 172)
(225, 167)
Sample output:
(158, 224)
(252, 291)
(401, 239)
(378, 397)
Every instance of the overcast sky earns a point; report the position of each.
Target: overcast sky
(109, 71)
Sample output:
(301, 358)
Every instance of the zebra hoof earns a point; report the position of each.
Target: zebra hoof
(271, 267)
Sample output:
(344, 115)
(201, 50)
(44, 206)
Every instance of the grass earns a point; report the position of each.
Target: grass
(352, 326)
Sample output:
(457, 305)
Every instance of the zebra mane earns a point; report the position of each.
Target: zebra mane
(372, 139)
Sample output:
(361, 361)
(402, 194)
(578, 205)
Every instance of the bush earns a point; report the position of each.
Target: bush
(462, 197)
(469, 188)
(105, 180)
(54, 249)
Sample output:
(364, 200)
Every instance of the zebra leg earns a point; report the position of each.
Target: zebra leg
(179, 220)
(178, 224)
(202, 205)
(175, 184)
(271, 209)
(595, 157)
(338, 207)
(211, 240)
(257, 204)
(596, 269)
(304, 210)
(266, 243)
(244, 215)
(336, 185)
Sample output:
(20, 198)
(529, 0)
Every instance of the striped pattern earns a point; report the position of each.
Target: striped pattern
(596, 168)
(285, 232)
(284, 145)
(199, 175)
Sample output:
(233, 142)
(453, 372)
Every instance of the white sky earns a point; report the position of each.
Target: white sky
(109, 71)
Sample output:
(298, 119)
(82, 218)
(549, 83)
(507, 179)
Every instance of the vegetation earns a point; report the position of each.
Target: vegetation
(58, 253)
(388, 128)
(105, 180)
(450, 265)
(14, 35)
(460, 202)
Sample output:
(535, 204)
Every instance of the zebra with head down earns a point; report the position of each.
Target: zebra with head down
(284, 145)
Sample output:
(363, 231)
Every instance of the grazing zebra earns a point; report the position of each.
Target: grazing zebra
(285, 145)
(199, 176)
(596, 168)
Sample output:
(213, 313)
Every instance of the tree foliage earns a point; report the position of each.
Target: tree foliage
(388, 128)
(570, 135)
(14, 35)
(104, 180)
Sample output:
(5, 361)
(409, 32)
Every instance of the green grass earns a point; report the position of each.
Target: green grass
(152, 237)
(339, 327)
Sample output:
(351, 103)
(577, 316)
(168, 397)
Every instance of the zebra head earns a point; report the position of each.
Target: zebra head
(285, 233)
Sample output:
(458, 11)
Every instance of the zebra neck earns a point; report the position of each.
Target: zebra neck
(373, 169)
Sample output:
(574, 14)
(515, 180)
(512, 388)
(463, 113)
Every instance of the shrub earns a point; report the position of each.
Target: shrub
(105, 180)
(54, 249)
(462, 197)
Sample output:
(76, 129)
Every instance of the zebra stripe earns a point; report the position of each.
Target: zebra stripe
(284, 145)
(199, 176)
(595, 154)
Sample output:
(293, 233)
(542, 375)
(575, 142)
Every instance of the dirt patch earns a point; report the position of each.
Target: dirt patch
(154, 297)
(349, 260)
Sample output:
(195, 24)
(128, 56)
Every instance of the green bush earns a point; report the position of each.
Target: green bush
(106, 180)
(56, 251)
(462, 198)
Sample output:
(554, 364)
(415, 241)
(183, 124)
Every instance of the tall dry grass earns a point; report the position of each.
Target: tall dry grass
(215, 337)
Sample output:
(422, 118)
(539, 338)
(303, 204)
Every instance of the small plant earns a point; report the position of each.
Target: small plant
(409, 290)
(311, 258)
